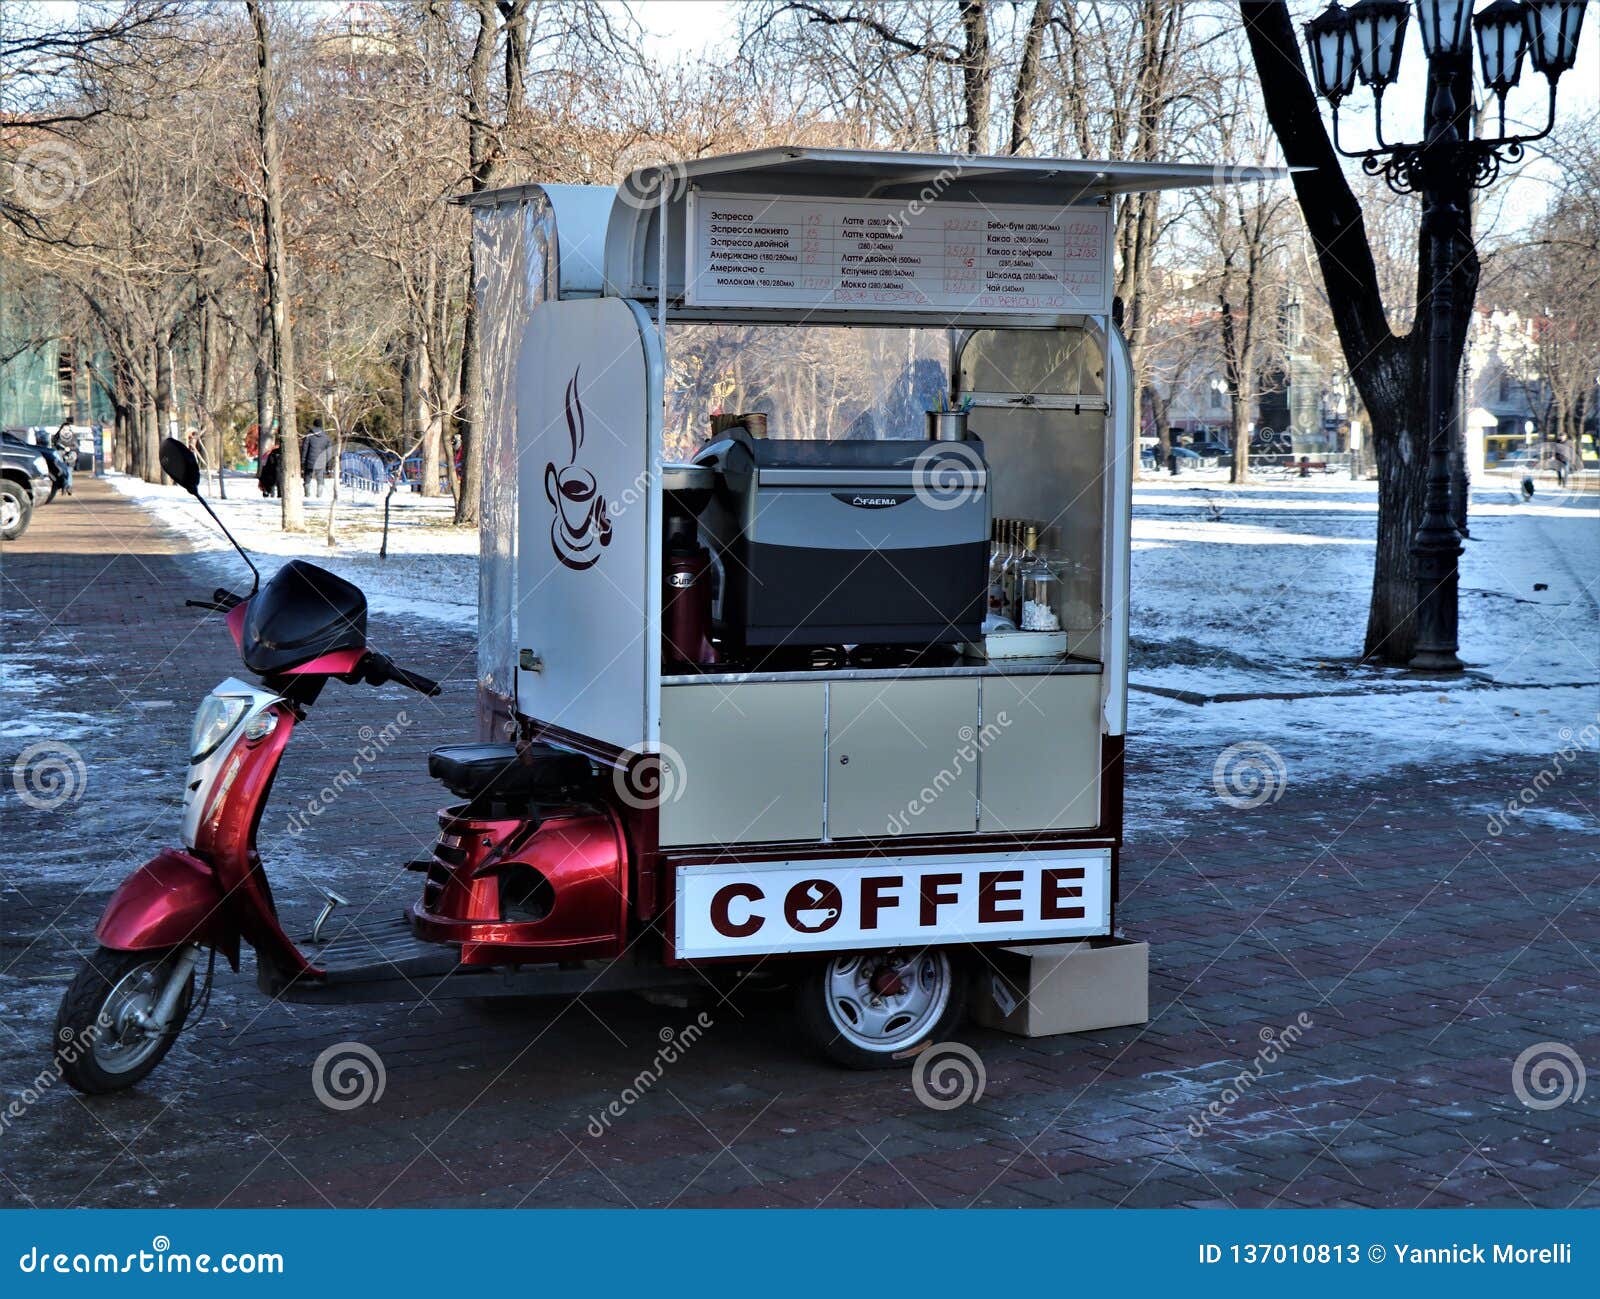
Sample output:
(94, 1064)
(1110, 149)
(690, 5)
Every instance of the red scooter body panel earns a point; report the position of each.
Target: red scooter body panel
(227, 835)
(337, 664)
(580, 855)
(173, 898)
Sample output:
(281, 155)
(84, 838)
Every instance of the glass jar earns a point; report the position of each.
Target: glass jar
(1039, 601)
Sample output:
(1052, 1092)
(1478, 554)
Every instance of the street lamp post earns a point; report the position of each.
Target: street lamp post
(1366, 41)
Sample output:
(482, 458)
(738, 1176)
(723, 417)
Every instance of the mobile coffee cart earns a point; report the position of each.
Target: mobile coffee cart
(737, 554)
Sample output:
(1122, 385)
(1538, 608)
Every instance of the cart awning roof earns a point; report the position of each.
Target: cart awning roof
(608, 237)
(868, 173)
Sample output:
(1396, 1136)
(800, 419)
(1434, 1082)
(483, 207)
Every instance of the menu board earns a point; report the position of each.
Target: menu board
(761, 250)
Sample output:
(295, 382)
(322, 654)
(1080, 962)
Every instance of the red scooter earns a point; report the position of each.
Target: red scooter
(526, 891)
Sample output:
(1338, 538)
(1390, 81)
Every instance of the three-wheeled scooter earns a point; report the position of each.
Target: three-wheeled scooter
(802, 617)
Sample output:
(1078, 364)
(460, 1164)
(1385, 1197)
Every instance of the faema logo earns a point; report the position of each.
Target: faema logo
(723, 910)
(862, 501)
(581, 528)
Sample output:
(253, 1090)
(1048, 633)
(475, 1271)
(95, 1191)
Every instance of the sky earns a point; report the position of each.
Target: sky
(704, 30)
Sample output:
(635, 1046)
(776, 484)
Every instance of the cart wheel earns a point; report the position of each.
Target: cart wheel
(867, 1010)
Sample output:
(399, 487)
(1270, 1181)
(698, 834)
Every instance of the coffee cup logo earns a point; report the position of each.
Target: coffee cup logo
(813, 906)
(581, 528)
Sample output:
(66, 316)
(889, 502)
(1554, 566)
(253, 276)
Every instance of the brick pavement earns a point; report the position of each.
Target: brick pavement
(1425, 960)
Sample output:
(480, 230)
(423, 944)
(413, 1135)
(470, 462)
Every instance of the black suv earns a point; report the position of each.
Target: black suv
(25, 482)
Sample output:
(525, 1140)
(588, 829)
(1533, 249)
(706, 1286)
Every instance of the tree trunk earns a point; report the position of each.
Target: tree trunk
(1239, 402)
(165, 423)
(976, 68)
(150, 419)
(263, 375)
(1022, 99)
(480, 167)
(429, 429)
(1389, 371)
(210, 428)
(1402, 459)
(277, 271)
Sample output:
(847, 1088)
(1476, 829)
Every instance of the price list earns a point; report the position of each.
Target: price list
(770, 251)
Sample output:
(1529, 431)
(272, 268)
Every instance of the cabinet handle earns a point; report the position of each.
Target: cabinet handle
(844, 759)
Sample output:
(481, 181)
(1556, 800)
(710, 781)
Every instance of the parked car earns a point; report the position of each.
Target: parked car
(1211, 449)
(24, 484)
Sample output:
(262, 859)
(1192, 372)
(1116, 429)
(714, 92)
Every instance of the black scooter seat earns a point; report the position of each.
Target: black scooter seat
(497, 773)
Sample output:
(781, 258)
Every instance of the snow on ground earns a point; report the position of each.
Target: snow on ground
(431, 570)
(1249, 607)
(1262, 591)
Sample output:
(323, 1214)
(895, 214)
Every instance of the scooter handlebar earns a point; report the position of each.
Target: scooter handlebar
(380, 669)
(221, 601)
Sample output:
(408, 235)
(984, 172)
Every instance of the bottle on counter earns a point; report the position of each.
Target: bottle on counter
(997, 594)
(1010, 569)
(1040, 583)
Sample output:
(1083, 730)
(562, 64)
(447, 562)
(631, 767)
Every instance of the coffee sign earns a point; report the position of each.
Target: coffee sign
(843, 905)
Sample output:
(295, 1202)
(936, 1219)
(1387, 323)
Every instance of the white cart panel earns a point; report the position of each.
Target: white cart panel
(582, 612)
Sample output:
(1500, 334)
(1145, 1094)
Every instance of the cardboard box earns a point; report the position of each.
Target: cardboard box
(1064, 987)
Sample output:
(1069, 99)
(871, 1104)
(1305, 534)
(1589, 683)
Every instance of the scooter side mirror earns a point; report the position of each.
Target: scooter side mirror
(179, 464)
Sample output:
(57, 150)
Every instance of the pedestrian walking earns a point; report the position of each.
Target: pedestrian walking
(268, 476)
(314, 456)
(65, 443)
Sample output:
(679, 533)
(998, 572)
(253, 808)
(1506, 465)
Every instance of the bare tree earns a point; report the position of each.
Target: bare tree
(276, 265)
(1387, 366)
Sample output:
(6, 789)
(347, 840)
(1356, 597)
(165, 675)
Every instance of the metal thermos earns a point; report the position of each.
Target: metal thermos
(686, 596)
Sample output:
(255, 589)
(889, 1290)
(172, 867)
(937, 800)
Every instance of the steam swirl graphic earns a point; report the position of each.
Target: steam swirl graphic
(947, 1075)
(1249, 774)
(48, 175)
(948, 475)
(48, 774)
(1548, 1075)
(348, 1075)
(650, 777)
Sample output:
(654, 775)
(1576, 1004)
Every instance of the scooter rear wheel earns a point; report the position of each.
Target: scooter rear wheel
(871, 1010)
(99, 1046)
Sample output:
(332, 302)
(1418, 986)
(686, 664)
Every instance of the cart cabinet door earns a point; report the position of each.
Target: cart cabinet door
(581, 445)
(750, 759)
(1041, 753)
(902, 758)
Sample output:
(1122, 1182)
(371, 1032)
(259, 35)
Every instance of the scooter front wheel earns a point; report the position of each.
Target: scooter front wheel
(102, 1043)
